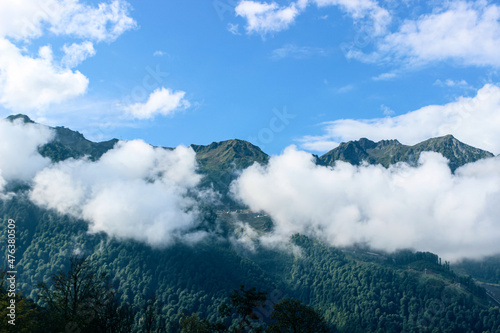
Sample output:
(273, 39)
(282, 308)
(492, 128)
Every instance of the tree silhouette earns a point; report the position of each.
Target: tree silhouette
(291, 316)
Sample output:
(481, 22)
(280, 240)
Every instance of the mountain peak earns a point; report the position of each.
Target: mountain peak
(24, 117)
(388, 152)
(225, 153)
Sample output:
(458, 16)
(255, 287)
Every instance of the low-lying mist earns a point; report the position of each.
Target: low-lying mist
(425, 208)
(136, 191)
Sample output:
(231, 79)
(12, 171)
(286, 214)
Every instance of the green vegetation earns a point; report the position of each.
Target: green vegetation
(166, 287)
(486, 270)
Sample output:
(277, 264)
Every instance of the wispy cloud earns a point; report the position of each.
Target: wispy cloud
(297, 52)
(267, 18)
(462, 84)
(159, 53)
(233, 28)
(385, 76)
(345, 89)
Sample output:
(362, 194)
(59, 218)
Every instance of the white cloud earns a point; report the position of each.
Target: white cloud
(385, 76)
(159, 53)
(35, 83)
(426, 208)
(462, 31)
(26, 19)
(362, 9)
(106, 22)
(19, 144)
(75, 54)
(297, 52)
(315, 143)
(23, 19)
(453, 84)
(473, 120)
(345, 89)
(161, 101)
(387, 111)
(134, 191)
(233, 28)
(264, 18)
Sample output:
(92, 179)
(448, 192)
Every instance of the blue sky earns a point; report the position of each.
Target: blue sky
(309, 72)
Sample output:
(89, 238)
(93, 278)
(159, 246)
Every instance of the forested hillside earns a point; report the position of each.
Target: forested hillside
(185, 282)
(357, 291)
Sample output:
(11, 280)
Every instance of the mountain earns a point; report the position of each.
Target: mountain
(356, 289)
(220, 163)
(387, 152)
(68, 143)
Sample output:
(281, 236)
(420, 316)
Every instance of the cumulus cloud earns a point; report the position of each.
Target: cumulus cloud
(23, 19)
(426, 208)
(161, 101)
(134, 191)
(76, 53)
(34, 83)
(264, 18)
(19, 143)
(463, 31)
(473, 120)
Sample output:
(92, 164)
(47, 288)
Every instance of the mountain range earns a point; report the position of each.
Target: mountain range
(356, 288)
(220, 162)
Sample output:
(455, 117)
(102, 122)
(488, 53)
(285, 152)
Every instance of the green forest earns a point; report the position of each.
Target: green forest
(156, 290)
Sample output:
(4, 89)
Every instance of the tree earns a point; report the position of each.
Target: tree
(81, 299)
(243, 302)
(193, 324)
(291, 316)
(18, 313)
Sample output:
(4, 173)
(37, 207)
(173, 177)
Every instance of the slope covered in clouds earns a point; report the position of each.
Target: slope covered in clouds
(151, 194)
(19, 157)
(133, 191)
(425, 207)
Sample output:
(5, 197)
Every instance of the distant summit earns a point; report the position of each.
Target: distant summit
(229, 153)
(24, 117)
(389, 152)
(220, 162)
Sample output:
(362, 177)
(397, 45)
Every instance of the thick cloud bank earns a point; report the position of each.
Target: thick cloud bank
(134, 191)
(19, 157)
(426, 207)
